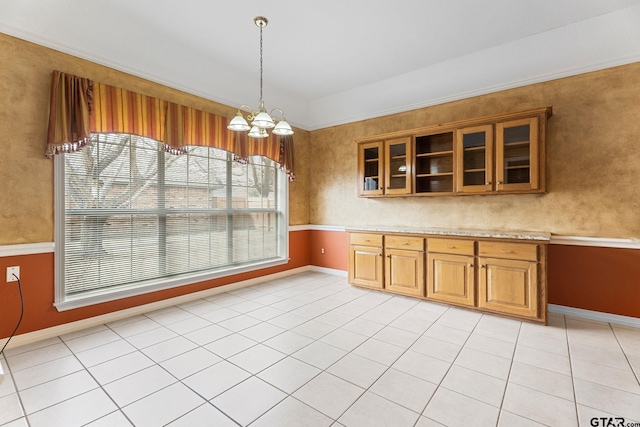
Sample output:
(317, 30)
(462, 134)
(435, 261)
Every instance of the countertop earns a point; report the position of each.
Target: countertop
(458, 232)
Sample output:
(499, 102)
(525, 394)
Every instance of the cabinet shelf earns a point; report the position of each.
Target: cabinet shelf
(517, 167)
(516, 144)
(474, 170)
(480, 148)
(428, 175)
(435, 154)
(371, 160)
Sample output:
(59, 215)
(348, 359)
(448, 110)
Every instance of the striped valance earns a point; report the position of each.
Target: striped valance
(80, 106)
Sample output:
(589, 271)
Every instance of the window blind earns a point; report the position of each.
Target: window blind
(134, 214)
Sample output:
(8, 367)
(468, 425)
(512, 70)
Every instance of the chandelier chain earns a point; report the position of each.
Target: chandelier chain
(261, 63)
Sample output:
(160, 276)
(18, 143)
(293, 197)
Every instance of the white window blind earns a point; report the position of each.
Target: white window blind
(134, 215)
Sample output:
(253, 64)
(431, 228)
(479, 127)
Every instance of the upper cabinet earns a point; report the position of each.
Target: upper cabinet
(397, 166)
(474, 157)
(384, 167)
(491, 155)
(518, 161)
(370, 173)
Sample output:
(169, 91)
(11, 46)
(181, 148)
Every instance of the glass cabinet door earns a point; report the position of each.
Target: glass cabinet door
(517, 155)
(370, 175)
(398, 166)
(474, 157)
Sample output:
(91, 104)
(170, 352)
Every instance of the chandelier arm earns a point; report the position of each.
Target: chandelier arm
(278, 110)
(247, 109)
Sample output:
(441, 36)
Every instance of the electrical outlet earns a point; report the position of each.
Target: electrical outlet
(10, 274)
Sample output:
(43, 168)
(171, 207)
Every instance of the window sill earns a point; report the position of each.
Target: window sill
(85, 300)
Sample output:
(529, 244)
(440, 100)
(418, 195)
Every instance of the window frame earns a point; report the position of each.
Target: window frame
(64, 302)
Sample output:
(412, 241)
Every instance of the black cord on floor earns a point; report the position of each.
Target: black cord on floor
(21, 315)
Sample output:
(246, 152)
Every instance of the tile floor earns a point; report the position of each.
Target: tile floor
(311, 350)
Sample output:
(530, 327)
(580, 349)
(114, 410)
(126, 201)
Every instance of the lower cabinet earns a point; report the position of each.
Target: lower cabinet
(508, 278)
(450, 272)
(404, 265)
(451, 278)
(365, 260)
(503, 277)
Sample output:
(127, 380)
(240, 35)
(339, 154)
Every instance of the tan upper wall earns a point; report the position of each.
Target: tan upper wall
(26, 176)
(593, 163)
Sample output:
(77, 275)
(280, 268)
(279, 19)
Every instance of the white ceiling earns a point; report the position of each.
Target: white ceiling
(336, 61)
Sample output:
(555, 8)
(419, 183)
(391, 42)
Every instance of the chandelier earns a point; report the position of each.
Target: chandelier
(260, 120)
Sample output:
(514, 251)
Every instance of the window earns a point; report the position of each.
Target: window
(131, 218)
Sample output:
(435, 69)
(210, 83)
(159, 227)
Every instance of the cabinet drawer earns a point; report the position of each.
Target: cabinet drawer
(451, 246)
(366, 239)
(522, 251)
(403, 242)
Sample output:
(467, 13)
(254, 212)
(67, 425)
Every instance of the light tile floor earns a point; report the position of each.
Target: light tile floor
(311, 350)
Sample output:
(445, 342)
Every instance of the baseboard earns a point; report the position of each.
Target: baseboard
(54, 331)
(598, 316)
(333, 271)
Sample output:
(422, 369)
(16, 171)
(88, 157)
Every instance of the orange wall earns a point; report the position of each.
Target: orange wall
(595, 278)
(37, 277)
(336, 249)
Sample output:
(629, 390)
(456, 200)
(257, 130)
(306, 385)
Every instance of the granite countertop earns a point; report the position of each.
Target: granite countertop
(459, 232)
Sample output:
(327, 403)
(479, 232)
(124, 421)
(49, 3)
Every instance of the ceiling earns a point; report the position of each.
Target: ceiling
(331, 62)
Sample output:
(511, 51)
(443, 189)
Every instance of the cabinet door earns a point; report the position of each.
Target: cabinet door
(509, 286)
(517, 160)
(370, 169)
(474, 157)
(451, 278)
(365, 266)
(397, 161)
(404, 271)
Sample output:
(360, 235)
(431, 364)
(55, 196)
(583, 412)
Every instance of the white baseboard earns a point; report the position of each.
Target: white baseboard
(333, 271)
(598, 316)
(54, 331)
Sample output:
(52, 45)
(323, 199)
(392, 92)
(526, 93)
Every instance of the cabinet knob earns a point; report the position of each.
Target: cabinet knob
(379, 254)
(388, 256)
(499, 182)
(451, 247)
(482, 266)
(471, 265)
(508, 252)
(488, 182)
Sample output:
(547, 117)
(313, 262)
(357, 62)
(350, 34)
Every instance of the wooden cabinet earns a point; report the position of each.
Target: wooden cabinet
(451, 271)
(365, 260)
(404, 265)
(491, 155)
(397, 166)
(518, 155)
(508, 286)
(474, 157)
(384, 167)
(370, 172)
(506, 277)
